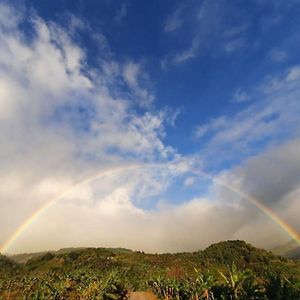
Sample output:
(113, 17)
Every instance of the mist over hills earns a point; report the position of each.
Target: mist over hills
(290, 250)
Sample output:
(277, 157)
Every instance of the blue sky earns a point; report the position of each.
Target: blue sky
(202, 59)
(89, 86)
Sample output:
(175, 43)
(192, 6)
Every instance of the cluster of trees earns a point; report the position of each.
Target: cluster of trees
(58, 286)
(232, 285)
(227, 270)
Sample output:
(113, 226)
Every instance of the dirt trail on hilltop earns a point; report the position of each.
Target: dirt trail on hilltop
(148, 295)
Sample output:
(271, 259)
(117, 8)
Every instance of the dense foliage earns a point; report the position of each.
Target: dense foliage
(227, 270)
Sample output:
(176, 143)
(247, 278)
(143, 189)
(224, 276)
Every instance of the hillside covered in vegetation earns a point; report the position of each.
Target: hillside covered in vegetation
(226, 270)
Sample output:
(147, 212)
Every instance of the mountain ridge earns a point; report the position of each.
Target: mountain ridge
(283, 251)
(71, 272)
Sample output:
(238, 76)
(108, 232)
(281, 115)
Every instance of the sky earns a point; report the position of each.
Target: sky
(144, 123)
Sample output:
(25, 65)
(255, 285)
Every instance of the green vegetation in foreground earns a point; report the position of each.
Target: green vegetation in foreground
(226, 270)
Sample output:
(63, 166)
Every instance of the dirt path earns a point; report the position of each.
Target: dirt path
(148, 295)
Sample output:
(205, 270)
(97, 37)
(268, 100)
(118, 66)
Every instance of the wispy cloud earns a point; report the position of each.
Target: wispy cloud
(134, 76)
(187, 54)
(270, 118)
(276, 55)
(233, 45)
(212, 126)
(174, 21)
(206, 31)
(62, 120)
(235, 31)
(121, 13)
(224, 29)
(241, 96)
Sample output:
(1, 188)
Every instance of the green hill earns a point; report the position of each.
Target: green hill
(7, 265)
(75, 270)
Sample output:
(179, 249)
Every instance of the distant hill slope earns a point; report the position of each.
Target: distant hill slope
(87, 272)
(25, 257)
(7, 265)
(216, 256)
(290, 250)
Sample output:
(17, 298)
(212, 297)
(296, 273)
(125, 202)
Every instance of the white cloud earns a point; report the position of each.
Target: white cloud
(61, 121)
(206, 31)
(121, 13)
(241, 96)
(277, 55)
(272, 117)
(131, 71)
(116, 222)
(134, 77)
(113, 220)
(174, 21)
(235, 31)
(293, 74)
(233, 45)
(182, 56)
(9, 18)
(212, 126)
(106, 211)
(189, 53)
(189, 181)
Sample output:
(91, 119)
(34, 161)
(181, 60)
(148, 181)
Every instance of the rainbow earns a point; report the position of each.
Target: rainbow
(254, 201)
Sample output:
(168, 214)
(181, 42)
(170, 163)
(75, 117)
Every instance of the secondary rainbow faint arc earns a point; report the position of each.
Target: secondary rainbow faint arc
(266, 210)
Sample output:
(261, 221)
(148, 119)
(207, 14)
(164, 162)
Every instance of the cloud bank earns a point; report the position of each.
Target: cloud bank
(62, 120)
